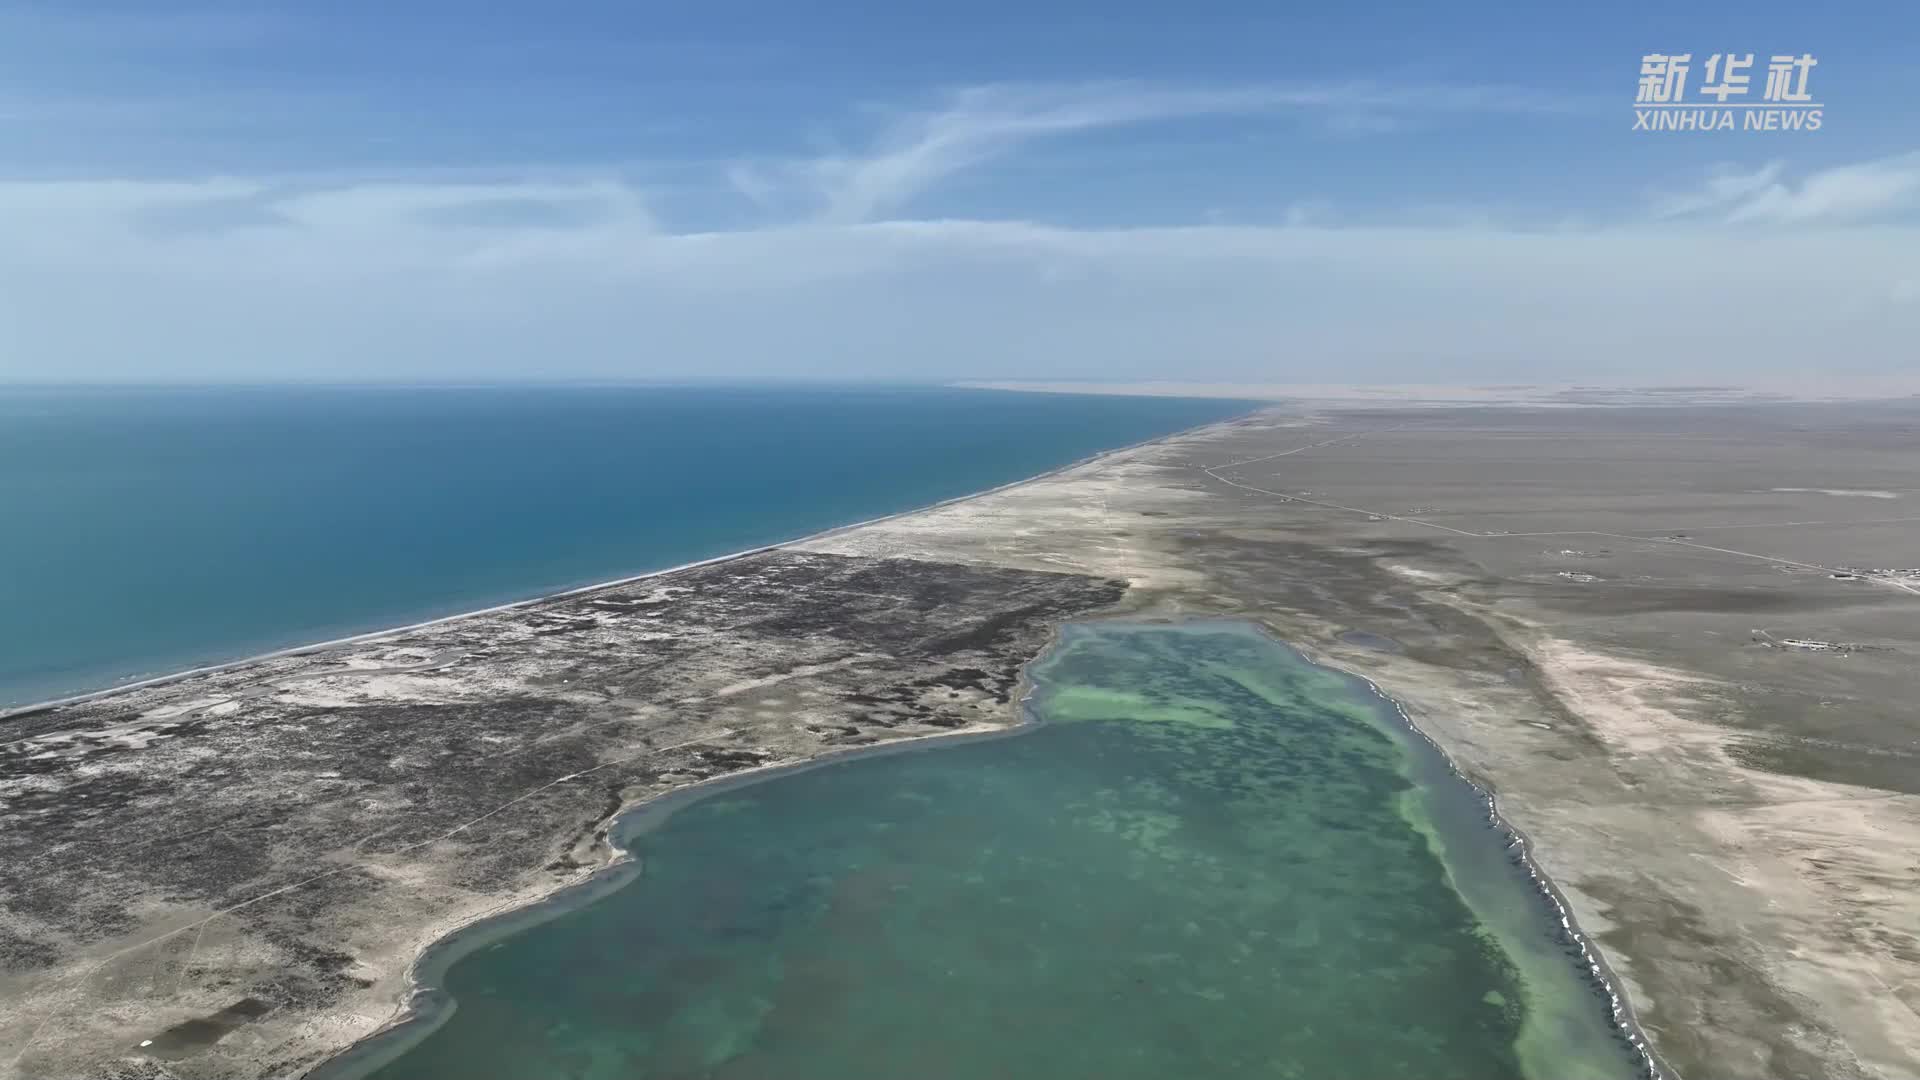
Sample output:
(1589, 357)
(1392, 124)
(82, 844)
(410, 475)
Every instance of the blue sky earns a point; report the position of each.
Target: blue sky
(1249, 192)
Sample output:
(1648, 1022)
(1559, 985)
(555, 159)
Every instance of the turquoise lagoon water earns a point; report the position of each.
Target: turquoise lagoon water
(1211, 859)
(150, 530)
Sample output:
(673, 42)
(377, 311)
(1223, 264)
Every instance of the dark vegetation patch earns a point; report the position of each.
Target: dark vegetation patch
(1613, 598)
(204, 1031)
(1864, 766)
(19, 953)
(213, 812)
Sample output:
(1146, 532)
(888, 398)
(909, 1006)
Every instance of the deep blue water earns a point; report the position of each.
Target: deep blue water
(147, 530)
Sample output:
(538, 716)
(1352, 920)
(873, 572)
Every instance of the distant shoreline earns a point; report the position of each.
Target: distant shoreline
(1555, 394)
(15, 712)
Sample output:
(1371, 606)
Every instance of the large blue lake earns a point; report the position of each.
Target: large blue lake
(153, 529)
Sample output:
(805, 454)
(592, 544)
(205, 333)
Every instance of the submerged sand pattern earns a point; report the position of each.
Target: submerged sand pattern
(1211, 860)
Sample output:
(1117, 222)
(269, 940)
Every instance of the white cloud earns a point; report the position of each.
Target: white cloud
(1724, 186)
(414, 204)
(1847, 193)
(1844, 193)
(376, 279)
(428, 276)
(64, 223)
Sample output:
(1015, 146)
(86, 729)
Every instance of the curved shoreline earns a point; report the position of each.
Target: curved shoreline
(11, 712)
(1619, 1007)
(427, 1005)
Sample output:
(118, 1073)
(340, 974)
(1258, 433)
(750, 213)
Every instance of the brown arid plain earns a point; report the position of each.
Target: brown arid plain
(1680, 642)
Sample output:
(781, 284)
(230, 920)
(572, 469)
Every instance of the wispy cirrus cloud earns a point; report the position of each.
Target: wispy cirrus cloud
(1723, 187)
(977, 125)
(1844, 193)
(1856, 192)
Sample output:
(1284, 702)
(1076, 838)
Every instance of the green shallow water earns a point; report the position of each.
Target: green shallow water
(1212, 860)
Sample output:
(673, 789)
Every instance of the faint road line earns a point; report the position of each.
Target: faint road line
(1299, 449)
(1791, 524)
(1349, 509)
